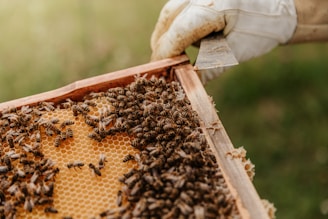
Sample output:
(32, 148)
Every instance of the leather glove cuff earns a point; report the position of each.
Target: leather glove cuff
(312, 21)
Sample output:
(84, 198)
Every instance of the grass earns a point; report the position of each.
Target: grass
(275, 106)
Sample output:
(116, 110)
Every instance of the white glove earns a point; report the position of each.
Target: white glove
(251, 27)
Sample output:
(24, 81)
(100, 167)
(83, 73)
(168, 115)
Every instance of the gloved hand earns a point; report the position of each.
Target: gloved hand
(252, 27)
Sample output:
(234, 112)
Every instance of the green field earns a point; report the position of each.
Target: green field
(276, 106)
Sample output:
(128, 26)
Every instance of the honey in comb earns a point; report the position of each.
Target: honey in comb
(78, 193)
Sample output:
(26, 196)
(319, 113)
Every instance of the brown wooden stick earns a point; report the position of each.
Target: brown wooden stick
(78, 89)
(248, 201)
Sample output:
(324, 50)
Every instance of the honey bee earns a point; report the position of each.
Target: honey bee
(57, 141)
(29, 204)
(50, 210)
(156, 204)
(49, 132)
(85, 108)
(44, 201)
(69, 133)
(140, 207)
(2, 197)
(35, 176)
(90, 103)
(119, 198)
(95, 95)
(74, 164)
(10, 140)
(184, 208)
(48, 189)
(66, 123)
(94, 169)
(68, 104)
(51, 174)
(4, 169)
(132, 180)
(76, 109)
(95, 136)
(47, 106)
(136, 188)
(107, 213)
(102, 160)
(128, 158)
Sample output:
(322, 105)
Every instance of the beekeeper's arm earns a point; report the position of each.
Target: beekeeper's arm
(252, 28)
(312, 21)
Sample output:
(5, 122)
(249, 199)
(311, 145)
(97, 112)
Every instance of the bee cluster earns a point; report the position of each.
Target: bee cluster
(177, 174)
(27, 176)
(173, 173)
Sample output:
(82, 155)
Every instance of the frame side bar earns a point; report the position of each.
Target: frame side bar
(247, 199)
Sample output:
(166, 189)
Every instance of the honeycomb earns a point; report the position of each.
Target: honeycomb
(131, 152)
(79, 193)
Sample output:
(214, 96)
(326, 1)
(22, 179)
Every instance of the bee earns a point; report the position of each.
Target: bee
(136, 188)
(69, 133)
(66, 123)
(128, 158)
(120, 90)
(74, 164)
(13, 189)
(2, 197)
(47, 106)
(94, 169)
(95, 136)
(37, 136)
(27, 148)
(10, 139)
(49, 175)
(45, 164)
(63, 136)
(119, 198)
(75, 109)
(54, 120)
(121, 97)
(140, 207)
(102, 160)
(68, 104)
(85, 108)
(44, 201)
(50, 126)
(90, 103)
(107, 213)
(50, 210)
(48, 190)
(4, 169)
(135, 143)
(132, 180)
(95, 95)
(20, 137)
(35, 176)
(91, 122)
(49, 132)
(156, 205)
(57, 141)
(184, 208)
(7, 161)
(29, 204)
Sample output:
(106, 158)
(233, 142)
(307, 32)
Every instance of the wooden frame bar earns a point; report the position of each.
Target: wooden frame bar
(247, 199)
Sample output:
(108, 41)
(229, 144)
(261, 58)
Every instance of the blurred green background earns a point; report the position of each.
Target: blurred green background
(276, 106)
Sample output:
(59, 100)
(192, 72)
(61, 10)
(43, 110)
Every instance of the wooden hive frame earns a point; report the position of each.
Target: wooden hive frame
(247, 199)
